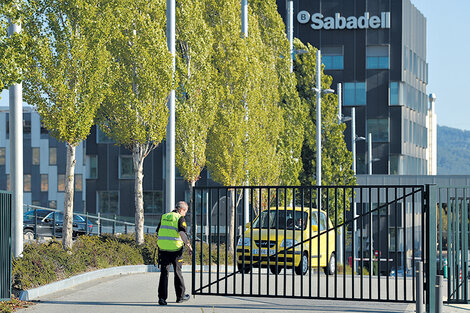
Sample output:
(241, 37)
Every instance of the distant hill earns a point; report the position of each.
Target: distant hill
(453, 151)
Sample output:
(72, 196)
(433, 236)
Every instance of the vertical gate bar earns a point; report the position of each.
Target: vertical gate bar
(277, 241)
(454, 251)
(285, 245)
(465, 248)
(336, 241)
(252, 241)
(193, 232)
(354, 223)
(405, 213)
(318, 240)
(413, 270)
(440, 227)
(457, 241)
(345, 230)
(244, 193)
(310, 242)
(293, 243)
(462, 246)
(218, 240)
(431, 249)
(209, 222)
(202, 239)
(260, 209)
(268, 248)
(396, 242)
(450, 246)
(235, 231)
(379, 249)
(371, 244)
(388, 240)
(227, 232)
(327, 237)
(301, 239)
(362, 238)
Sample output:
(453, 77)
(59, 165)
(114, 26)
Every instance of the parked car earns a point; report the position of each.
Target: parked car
(45, 221)
(287, 228)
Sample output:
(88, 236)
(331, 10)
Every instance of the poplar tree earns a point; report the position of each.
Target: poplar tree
(135, 112)
(64, 79)
(196, 92)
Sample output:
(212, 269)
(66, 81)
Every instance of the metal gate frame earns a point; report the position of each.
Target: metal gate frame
(426, 196)
(5, 245)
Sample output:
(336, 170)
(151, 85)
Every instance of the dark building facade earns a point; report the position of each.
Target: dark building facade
(377, 50)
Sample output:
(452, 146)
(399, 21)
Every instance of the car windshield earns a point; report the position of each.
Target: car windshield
(281, 219)
(40, 213)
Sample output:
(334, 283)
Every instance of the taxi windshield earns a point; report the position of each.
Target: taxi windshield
(281, 219)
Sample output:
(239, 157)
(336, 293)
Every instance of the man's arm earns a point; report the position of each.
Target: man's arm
(182, 229)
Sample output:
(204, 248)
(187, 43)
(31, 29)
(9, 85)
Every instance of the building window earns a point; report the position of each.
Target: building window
(44, 182)
(52, 156)
(44, 130)
(78, 181)
(27, 182)
(153, 202)
(61, 182)
(108, 202)
(26, 127)
(332, 58)
(92, 168)
(3, 152)
(126, 167)
(36, 203)
(36, 156)
(377, 57)
(53, 204)
(379, 129)
(101, 137)
(355, 94)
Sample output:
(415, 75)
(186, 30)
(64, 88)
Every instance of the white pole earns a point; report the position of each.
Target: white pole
(244, 18)
(290, 30)
(353, 148)
(170, 136)
(16, 158)
(318, 90)
(340, 113)
(370, 153)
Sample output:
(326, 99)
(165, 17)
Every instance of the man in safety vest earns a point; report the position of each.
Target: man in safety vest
(172, 237)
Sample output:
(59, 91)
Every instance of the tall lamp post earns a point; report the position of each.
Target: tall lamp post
(246, 200)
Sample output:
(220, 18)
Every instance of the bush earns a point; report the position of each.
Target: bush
(43, 263)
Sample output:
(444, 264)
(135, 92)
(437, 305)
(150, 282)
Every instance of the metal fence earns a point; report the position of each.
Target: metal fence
(329, 242)
(42, 219)
(5, 245)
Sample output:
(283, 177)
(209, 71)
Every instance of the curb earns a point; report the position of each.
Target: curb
(73, 281)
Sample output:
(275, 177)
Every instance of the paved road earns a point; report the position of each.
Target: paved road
(137, 293)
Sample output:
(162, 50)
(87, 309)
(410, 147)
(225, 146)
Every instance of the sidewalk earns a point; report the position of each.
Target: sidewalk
(138, 293)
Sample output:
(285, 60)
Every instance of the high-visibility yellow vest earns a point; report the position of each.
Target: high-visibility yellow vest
(168, 236)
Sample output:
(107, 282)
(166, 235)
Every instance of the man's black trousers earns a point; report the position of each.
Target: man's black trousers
(167, 258)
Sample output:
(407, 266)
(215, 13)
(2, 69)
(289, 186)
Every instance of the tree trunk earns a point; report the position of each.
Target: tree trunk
(192, 184)
(67, 231)
(138, 160)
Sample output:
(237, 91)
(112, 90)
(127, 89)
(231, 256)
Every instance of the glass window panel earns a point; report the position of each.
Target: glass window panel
(372, 62)
(2, 156)
(44, 182)
(377, 51)
(78, 181)
(61, 182)
(27, 182)
(393, 93)
(53, 204)
(52, 156)
(92, 167)
(322, 221)
(327, 60)
(126, 167)
(338, 62)
(384, 62)
(35, 156)
(361, 94)
(26, 127)
(108, 202)
(101, 137)
(379, 129)
(349, 94)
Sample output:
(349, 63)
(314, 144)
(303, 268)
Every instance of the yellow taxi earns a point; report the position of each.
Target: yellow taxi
(290, 238)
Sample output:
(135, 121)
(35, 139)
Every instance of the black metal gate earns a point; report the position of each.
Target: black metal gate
(336, 242)
(5, 245)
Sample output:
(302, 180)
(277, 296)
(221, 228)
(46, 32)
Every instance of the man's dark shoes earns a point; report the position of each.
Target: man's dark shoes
(185, 298)
(162, 302)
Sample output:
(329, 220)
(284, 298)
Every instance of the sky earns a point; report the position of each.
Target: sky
(448, 56)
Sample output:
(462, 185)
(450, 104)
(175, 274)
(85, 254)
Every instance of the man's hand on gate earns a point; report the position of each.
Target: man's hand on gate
(190, 249)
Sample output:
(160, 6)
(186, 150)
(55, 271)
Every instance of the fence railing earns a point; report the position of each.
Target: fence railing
(42, 222)
(5, 245)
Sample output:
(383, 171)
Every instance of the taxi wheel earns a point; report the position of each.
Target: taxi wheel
(275, 269)
(244, 269)
(303, 265)
(330, 269)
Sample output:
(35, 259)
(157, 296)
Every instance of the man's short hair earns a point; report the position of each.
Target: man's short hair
(180, 205)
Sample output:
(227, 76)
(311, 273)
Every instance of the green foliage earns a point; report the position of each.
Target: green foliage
(196, 98)
(43, 263)
(13, 305)
(453, 151)
(13, 49)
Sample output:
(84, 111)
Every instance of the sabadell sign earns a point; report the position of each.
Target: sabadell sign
(341, 22)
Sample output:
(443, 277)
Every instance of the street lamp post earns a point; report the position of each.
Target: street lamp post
(290, 30)
(369, 154)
